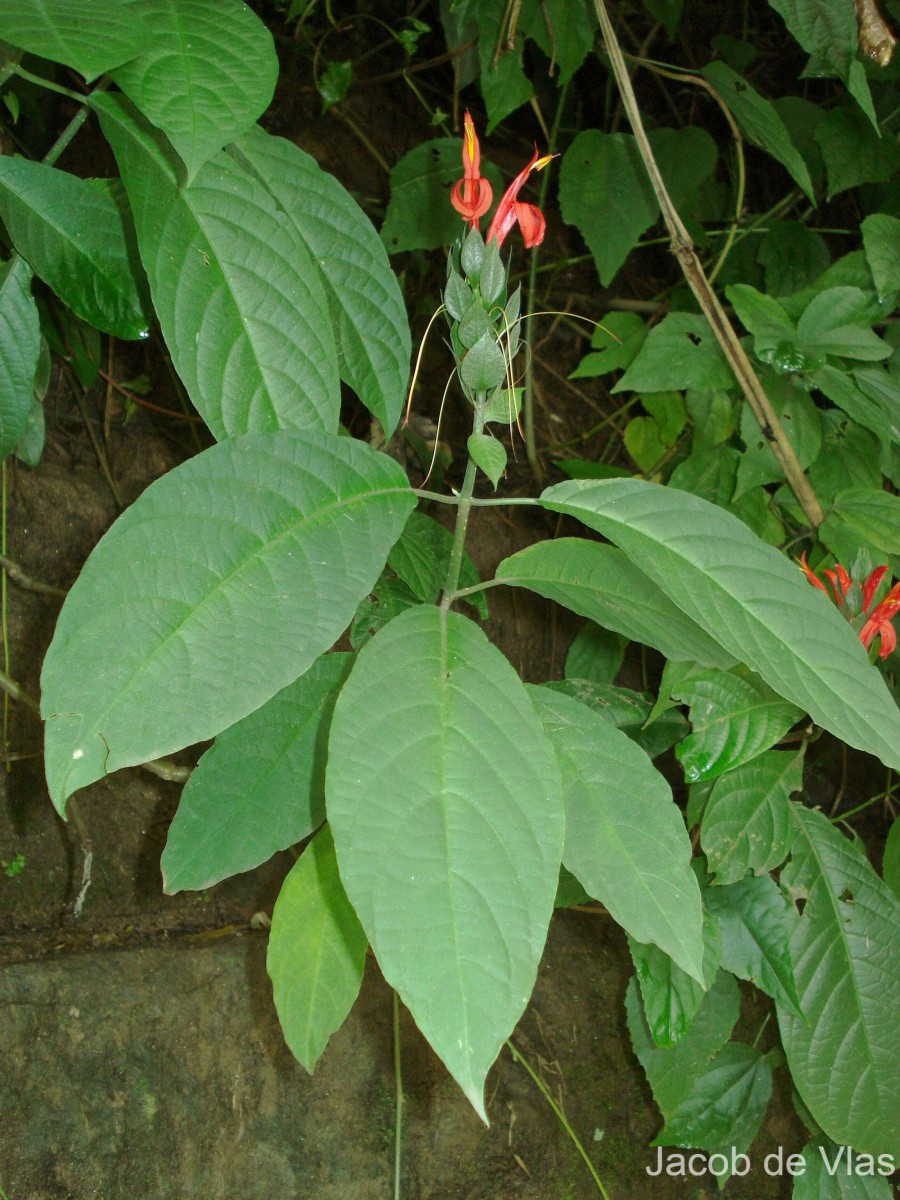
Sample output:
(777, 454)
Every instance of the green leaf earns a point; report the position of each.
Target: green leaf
(850, 458)
(672, 997)
(334, 82)
(853, 151)
(444, 800)
(626, 710)
(206, 75)
(504, 84)
(220, 585)
(671, 1070)
(734, 718)
(565, 32)
(317, 952)
(261, 788)
(866, 410)
(749, 597)
(419, 215)
(752, 916)
(625, 839)
(759, 121)
(863, 517)
(647, 439)
(244, 314)
(845, 946)
(484, 366)
(822, 28)
(830, 1172)
(615, 343)
(605, 193)
(367, 309)
(758, 511)
(834, 323)
(388, 599)
(595, 654)
(802, 424)
(793, 256)
(772, 329)
(421, 556)
(746, 824)
(710, 473)
(686, 158)
(599, 582)
(488, 454)
(20, 346)
(474, 324)
(74, 236)
(714, 416)
(881, 239)
(504, 406)
(890, 869)
(70, 33)
(726, 1105)
(679, 353)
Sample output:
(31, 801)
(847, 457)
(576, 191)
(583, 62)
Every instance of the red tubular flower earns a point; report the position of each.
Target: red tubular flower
(879, 624)
(472, 195)
(510, 210)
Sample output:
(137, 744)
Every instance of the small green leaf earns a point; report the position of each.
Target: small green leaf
(208, 73)
(793, 256)
(443, 796)
(734, 718)
(763, 318)
(599, 582)
(710, 474)
(604, 191)
(484, 367)
(626, 710)
(752, 915)
(488, 454)
(614, 344)
(492, 275)
(458, 296)
(760, 121)
(334, 82)
(890, 869)
(679, 353)
(749, 597)
(625, 838)
(881, 239)
(472, 255)
(76, 237)
(20, 345)
(833, 323)
(845, 947)
(726, 1105)
(421, 556)
(672, 997)
(261, 788)
(595, 654)
(317, 952)
(504, 406)
(473, 325)
(746, 824)
(863, 517)
(853, 151)
(672, 1070)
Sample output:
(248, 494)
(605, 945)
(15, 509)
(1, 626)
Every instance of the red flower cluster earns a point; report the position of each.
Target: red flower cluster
(472, 195)
(879, 622)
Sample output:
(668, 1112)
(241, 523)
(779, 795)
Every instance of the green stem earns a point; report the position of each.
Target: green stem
(439, 498)
(528, 394)
(561, 1117)
(464, 504)
(72, 128)
(398, 1080)
(45, 83)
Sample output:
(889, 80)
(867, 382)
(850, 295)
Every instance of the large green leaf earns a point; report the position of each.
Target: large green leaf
(822, 28)
(746, 824)
(261, 788)
(222, 584)
(626, 842)
(671, 1070)
(317, 951)
(237, 293)
(93, 36)
(734, 718)
(443, 795)
(759, 121)
(599, 582)
(604, 191)
(845, 946)
(749, 597)
(364, 297)
(20, 346)
(207, 75)
(73, 234)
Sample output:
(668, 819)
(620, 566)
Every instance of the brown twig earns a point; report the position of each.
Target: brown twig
(683, 249)
(18, 577)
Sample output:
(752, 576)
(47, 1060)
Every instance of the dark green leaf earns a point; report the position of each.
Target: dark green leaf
(708, 473)
(20, 344)
(881, 239)
(484, 367)
(595, 654)
(853, 151)
(890, 869)
(671, 997)
(793, 256)
(679, 353)
(488, 454)
(615, 342)
(334, 82)
(726, 1105)
(421, 556)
